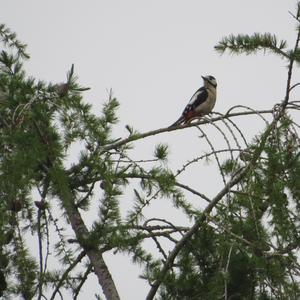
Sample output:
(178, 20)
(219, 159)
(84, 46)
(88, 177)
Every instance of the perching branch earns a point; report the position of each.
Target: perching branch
(136, 137)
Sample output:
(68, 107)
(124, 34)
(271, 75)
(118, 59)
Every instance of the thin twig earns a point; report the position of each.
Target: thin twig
(66, 273)
(226, 272)
(83, 280)
(183, 186)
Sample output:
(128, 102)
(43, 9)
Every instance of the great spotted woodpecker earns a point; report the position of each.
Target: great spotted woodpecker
(201, 103)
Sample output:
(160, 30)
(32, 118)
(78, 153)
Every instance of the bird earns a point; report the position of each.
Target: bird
(201, 103)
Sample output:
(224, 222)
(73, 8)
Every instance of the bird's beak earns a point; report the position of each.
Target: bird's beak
(204, 78)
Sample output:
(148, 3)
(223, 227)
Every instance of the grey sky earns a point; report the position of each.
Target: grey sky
(152, 54)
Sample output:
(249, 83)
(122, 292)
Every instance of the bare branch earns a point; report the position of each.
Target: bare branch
(65, 274)
(136, 137)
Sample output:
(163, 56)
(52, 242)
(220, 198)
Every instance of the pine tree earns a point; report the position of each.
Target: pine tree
(242, 245)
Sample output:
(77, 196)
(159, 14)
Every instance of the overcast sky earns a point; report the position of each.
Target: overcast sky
(152, 54)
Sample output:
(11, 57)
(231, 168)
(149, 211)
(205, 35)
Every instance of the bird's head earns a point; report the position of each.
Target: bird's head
(209, 81)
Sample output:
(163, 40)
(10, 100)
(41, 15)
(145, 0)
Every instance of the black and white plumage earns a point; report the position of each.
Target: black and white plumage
(201, 103)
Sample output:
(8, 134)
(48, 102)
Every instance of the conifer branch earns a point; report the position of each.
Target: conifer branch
(236, 178)
(46, 121)
(10, 40)
(186, 187)
(136, 137)
(291, 64)
(173, 254)
(62, 188)
(66, 273)
(250, 44)
(83, 280)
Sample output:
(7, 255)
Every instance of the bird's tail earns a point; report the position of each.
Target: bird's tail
(179, 121)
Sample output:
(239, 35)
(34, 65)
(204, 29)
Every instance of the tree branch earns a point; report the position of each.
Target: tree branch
(60, 181)
(236, 178)
(135, 137)
(170, 260)
(65, 274)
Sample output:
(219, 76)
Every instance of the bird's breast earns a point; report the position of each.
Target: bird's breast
(207, 106)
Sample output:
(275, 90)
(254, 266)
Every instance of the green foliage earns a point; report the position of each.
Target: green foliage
(195, 276)
(245, 248)
(26, 272)
(250, 44)
(40, 123)
(161, 152)
(228, 166)
(264, 215)
(9, 39)
(254, 236)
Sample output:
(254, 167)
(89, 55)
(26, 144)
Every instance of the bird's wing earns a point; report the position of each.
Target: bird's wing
(197, 99)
